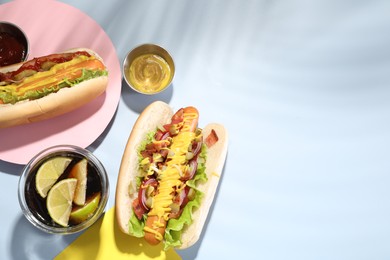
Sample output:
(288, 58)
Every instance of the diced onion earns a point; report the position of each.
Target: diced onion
(145, 192)
(161, 128)
(171, 153)
(189, 156)
(174, 207)
(132, 188)
(197, 148)
(179, 169)
(201, 160)
(154, 168)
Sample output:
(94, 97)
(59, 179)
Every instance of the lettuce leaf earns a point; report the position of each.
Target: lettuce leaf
(176, 227)
(136, 226)
(9, 97)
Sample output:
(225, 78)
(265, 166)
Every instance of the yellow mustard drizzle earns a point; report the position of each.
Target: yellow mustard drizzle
(187, 118)
(215, 174)
(157, 235)
(169, 178)
(20, 89)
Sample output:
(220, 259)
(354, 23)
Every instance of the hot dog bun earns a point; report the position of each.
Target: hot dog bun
(54, 104)
(160, 113)
(153, 115)
(214, 165)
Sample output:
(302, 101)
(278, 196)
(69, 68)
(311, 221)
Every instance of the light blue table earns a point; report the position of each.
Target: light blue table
(303, 88)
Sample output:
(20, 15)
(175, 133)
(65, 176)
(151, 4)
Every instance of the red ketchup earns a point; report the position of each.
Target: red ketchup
(11, 50)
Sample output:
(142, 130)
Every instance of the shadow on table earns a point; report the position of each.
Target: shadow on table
(16, 169)
(11, 168)
(138, 102)
(28, 242)
(92, 147)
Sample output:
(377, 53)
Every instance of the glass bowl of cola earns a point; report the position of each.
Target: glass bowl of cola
(63, 189)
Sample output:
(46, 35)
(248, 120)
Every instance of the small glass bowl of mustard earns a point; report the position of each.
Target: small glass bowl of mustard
(148, 69)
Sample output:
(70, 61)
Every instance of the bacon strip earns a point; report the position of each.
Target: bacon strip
(211, 139)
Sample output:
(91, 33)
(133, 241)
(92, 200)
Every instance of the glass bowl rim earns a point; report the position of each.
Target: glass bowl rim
(41, 156)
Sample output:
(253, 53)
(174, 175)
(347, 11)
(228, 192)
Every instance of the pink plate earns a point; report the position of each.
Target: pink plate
(52, 27)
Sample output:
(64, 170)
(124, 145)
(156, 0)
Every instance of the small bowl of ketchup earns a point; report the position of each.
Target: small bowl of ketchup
(14, 46)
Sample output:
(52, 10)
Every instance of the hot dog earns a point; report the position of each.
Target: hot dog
(49, 86)
(168, 176)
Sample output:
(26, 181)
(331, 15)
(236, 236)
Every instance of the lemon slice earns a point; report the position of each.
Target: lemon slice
(79, 171)
(83, 213)
(49, 172)
(59, 201)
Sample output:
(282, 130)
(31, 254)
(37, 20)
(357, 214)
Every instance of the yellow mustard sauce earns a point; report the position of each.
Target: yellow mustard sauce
(45, 76)
(170, 177)
(149, 73)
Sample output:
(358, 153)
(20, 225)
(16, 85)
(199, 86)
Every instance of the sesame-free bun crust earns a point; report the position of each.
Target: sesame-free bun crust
(153, 115)
(54, 104)
(160, 113)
